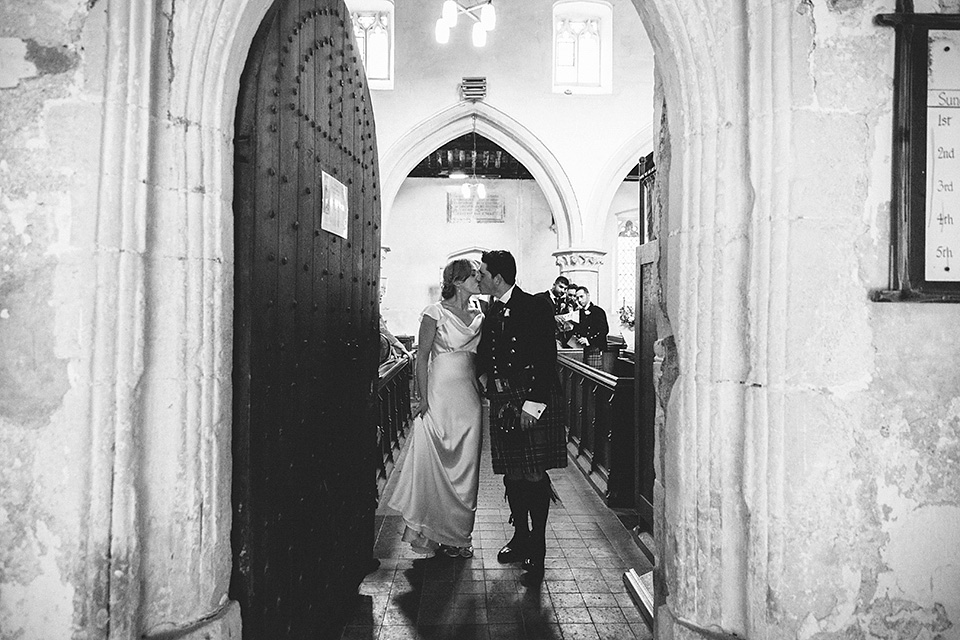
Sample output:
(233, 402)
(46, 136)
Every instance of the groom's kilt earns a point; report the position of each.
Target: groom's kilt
(516, 451)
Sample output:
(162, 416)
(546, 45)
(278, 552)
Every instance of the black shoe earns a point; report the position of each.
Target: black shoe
(513, 551)
(534, 569)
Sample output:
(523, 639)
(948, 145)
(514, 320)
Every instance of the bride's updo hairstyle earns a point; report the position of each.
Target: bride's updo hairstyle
(453, 274)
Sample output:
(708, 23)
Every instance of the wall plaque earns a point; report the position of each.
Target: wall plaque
(942, 235)
(474, 209)
(925, 199)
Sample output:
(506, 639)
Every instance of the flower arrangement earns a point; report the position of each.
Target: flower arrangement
(627, 317)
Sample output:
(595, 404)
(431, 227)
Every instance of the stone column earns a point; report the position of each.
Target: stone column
(582, 266)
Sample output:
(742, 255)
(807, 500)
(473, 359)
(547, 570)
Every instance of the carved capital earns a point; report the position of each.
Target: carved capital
(579, 259)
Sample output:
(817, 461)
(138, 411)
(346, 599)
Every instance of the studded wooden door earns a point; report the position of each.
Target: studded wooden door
(306, 336)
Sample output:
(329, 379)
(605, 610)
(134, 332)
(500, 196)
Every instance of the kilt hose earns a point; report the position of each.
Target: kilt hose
(516, 451)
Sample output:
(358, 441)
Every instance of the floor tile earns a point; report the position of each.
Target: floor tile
(411, 597)
(361, 633)
(505, 631)
(614, 631)
(567, 615)
(607, 615)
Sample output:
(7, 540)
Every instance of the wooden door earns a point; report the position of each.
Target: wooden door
(305, 326)
(645, 335)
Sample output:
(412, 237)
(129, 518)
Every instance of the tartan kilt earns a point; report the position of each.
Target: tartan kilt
(515, 451)
(593, 357)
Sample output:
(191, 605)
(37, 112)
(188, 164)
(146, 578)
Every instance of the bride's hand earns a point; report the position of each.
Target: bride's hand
(420, 408)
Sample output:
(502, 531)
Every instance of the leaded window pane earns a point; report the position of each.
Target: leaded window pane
(371, 30)
(628, 239)
(577, 60)
(378, 49)
(589, 63)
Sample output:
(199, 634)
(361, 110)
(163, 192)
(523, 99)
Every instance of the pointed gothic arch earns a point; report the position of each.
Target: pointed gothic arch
(497, 126)
(170, 127)
(611, 176)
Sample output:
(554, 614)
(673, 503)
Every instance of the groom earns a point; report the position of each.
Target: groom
(518, 355)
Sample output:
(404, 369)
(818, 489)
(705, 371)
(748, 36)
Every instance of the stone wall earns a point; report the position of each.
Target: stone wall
(810, 450)
(51, 89)
(115, 300)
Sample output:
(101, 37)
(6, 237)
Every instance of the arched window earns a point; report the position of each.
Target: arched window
(373, 31)
(582, 47)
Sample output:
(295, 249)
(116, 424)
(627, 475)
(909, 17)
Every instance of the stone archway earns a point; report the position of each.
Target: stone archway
(160, 472)
(611, 176)
(497, 126)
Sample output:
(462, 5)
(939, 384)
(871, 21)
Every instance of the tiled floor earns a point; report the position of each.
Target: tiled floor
(582, 595)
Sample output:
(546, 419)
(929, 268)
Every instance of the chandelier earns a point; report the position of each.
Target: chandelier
(483, 14)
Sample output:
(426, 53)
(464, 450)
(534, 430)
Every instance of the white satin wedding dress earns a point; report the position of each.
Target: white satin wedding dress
(437, 489)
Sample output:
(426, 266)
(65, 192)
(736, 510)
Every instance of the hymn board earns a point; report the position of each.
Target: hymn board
(942, 236)
(925, 199)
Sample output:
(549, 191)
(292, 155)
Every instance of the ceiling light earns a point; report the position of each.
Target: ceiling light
(482, 13)
(442, 31)
(479, 35)
(449, 12)
(488, 16)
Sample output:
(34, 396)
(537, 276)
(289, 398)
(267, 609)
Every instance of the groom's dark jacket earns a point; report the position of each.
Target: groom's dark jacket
(517, 344)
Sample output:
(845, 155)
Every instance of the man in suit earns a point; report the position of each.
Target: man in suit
(557, 295)
(518, 357)
(591, 331)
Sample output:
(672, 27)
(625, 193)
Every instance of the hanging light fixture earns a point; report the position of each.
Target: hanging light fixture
(472, 187)
(476, 186)
(483, 14)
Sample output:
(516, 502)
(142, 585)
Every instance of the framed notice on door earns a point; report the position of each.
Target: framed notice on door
(925, 199)
(333, 216)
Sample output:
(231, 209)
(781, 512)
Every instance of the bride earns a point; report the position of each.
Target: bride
(437, 489)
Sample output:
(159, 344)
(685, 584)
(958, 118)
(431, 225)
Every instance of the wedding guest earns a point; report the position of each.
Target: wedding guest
(591, 330)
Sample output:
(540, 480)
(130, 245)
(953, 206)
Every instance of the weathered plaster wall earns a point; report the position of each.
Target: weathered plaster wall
(872, 391)
(114, 399)
(50, 91)
(812, 444)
